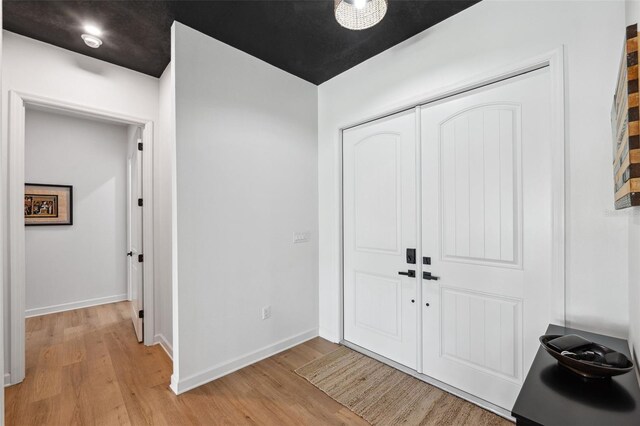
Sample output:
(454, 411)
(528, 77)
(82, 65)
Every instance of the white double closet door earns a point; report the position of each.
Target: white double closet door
(466, 182)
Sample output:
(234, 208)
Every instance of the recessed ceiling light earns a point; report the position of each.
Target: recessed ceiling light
(91, 41)
(92, 30)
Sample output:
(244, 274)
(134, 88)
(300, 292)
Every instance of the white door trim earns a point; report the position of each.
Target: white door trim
(554, 60)
(18, 102)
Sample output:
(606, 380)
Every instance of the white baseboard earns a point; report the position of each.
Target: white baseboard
(74, 305)
(160, 339)
(7, 379)
(179, 386)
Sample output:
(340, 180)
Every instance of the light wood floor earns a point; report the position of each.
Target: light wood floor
(85, 367)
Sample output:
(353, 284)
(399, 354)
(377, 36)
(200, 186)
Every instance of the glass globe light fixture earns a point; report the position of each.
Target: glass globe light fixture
(360, 14)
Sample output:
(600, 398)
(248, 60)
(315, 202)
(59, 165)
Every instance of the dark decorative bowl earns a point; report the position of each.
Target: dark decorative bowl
(584, 368)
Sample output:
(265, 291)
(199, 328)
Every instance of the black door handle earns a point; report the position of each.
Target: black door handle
(410, 273)
(130, 254)
(428, 276)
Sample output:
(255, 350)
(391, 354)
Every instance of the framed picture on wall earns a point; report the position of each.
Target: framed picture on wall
(625, 124)
(46, 204)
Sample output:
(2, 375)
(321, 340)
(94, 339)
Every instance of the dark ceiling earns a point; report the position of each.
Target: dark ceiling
(301, 37)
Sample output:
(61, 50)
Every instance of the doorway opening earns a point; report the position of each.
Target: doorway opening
(136, 278)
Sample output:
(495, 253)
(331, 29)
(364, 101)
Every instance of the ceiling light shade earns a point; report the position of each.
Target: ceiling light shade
(360, 14)
(91, 41)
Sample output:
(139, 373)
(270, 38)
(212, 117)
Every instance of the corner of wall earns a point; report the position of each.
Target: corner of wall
(160, 339)
(328, 335)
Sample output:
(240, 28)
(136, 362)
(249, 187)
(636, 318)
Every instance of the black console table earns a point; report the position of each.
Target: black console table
(552, 395)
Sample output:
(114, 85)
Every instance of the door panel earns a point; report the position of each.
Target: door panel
(378, 304)
(486, 164)
(472, 324)
(135, 238)
(379, 225)
(376, 166)
(480, 172)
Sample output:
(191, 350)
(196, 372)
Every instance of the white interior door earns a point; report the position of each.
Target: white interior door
(379, 178)
(487, 228)
(135, 274)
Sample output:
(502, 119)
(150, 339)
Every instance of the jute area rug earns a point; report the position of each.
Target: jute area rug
(382, 395)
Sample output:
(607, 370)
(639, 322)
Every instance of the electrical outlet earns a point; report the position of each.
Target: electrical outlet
(300, 237)
(266, 312)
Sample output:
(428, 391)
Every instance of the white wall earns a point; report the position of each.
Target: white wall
(2, 308)
(163, 237)
(634, 285)
(246, 141)
(485, 37)
(37, 68)
(633, 17)
(83, 264)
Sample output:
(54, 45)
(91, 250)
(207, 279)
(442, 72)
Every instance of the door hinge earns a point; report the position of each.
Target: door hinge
(140, 258)
(139, 146)
(140, 202)
(141, 314)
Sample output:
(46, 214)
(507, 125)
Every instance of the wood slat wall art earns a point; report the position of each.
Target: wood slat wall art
(625, 123)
